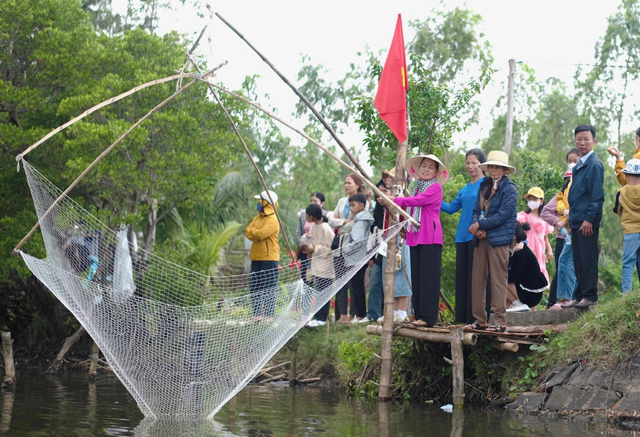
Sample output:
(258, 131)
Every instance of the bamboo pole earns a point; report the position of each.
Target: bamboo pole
(458, 367)
(436, 337)
(324, 149)
(386, 353)
(107, 150)
(293, 345)
(102, 105)
(300, 95)
(9, 367)
(253, 162)
(505, 346)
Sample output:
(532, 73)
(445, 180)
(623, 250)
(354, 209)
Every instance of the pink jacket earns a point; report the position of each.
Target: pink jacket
(430, 228)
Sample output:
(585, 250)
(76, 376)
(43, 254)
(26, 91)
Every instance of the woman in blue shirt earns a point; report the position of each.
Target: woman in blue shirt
(465, 200)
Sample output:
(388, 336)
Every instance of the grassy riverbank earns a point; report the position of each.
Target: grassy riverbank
(347, 357)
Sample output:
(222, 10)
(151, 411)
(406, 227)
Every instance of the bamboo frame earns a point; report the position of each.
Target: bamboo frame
(246, 149)
(371, 185)
(102, 105)
(107, 150)
(300, 95)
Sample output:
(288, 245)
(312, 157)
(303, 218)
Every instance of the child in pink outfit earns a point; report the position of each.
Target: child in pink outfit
(537, 238)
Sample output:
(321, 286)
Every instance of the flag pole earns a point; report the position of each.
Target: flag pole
(391, 102)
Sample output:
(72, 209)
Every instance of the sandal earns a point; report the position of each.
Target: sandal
(476, 326)
(421, 323)
(496, 328)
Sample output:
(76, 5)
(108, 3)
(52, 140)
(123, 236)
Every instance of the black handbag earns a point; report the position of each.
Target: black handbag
(335, 243)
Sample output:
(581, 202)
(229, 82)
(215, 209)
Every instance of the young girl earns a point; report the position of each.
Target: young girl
(317, 243)
(425, 243)
(526, 281)
(539, 229)
(303, 228)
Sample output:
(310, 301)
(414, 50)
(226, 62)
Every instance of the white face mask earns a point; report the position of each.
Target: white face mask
(533, 204)
(571, 165)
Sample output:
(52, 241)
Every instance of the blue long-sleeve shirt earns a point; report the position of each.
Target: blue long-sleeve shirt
(465, 200)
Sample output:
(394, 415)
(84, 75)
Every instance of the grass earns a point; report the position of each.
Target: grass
(605, 336)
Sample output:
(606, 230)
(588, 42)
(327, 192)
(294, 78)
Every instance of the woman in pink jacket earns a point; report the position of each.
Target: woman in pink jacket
(425, 243)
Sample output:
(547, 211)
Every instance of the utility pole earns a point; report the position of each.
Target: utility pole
(509, 130)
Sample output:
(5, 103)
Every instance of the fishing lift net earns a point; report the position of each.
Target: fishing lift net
(182, 343)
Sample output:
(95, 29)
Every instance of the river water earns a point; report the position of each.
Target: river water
(70, 406)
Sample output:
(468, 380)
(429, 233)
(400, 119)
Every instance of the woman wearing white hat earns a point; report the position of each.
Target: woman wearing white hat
(493, 226)
(425, 243)
(263, 231)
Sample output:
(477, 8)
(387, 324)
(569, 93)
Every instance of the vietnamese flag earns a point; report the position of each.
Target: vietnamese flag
(391, 99)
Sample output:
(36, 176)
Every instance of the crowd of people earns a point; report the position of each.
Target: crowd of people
(501, 254)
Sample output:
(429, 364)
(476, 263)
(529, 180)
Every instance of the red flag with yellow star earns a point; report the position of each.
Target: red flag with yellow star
(391, 99)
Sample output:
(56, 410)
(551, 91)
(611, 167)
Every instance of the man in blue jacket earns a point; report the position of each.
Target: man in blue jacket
(586, 197)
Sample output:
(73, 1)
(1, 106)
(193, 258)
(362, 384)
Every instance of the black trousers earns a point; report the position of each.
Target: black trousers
(585, 261)
(464, 267)
(342, 296)
(553, 288)
(359, 293)
(263, 285)
(323, 284)
(426, 268)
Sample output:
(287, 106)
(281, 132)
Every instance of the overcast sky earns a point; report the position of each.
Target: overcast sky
(550, 35)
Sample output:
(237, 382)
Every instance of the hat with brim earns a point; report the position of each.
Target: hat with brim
(389, 173)
(535, 192)
(632, 167)
(413, 167)
(498, 157)
(265, 196)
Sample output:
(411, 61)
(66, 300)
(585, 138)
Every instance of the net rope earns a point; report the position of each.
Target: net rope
(182, 343)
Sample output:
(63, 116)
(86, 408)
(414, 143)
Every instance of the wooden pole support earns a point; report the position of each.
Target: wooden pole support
(9, 367)
(468, 338)
(293, 345)
(457, 376)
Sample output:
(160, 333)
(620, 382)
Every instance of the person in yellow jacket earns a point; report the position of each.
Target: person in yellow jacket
(620, 164)
(263, 231)
(628, 208)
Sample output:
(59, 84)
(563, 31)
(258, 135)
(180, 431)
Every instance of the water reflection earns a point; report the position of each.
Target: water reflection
(172, 428)
(7, 410)
(71, 406)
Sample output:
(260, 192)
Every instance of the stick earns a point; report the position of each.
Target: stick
(105, 152)
(371, 185)
(246, 149)
(102, 105)
(446, 302)
(301, 96)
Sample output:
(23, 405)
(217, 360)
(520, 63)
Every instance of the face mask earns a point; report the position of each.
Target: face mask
(533, 204)
(259, 207)
(571, 165)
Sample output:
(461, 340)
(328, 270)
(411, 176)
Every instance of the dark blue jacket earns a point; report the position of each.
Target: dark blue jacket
(586, 194)
(500, 221)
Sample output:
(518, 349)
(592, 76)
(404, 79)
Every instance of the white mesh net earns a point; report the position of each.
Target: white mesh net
(181, 342)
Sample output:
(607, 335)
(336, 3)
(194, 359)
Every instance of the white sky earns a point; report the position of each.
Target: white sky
(331, 32)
